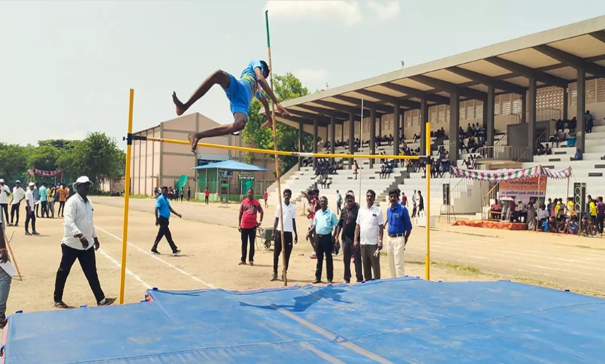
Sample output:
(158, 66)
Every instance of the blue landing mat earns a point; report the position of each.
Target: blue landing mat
(401, 320)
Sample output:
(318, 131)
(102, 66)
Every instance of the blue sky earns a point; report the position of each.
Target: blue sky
(66, 67)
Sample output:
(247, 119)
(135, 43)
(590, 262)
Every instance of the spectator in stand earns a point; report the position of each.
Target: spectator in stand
(589, 120)
(5, 192)
(577, 156)
(346, 224)
(248, 212)
(368, 233)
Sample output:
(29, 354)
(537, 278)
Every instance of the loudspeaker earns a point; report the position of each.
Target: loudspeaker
(579, 197)
(446, 194)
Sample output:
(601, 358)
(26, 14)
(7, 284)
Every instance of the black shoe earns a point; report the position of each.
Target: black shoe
(35, 233)
(155, 251)
(317, 281)
(27, 233)
(106, 301)
(61, 304)
(274, 277)
(175, 253)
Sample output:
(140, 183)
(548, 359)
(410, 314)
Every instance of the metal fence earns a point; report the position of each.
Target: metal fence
(232, 189)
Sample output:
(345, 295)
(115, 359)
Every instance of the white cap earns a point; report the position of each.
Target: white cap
(82, 179)
(17, 181)
(1, 180)
(31, 184)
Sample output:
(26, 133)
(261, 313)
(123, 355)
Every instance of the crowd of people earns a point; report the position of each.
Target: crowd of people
(555, 216)
(356, 228)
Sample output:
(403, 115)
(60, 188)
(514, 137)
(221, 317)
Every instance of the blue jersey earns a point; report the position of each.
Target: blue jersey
(249, 76)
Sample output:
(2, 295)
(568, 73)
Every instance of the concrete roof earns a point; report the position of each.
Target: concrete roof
(551, 57)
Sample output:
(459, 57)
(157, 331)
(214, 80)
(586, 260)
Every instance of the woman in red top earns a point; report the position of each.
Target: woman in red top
(247, 224)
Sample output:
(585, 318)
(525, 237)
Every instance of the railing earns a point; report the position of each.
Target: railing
(504, 152)
(543, 137)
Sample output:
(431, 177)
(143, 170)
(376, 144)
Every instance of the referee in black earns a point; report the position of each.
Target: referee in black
(289, 212)
(346, 224)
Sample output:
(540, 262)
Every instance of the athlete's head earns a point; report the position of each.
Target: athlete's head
(265, 69)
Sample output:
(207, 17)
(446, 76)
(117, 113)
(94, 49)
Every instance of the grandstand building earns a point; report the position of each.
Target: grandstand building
(517, 90)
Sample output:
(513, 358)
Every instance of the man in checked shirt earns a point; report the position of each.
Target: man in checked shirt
(347, 223)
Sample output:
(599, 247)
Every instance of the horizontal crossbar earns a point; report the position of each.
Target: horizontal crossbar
(273, 152)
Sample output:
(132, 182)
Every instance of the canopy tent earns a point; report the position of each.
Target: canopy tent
(232, 166)
(222, 180)
(510, 174)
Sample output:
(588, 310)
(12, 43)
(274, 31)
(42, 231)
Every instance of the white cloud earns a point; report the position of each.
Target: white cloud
(347, 12)
(312, 79)
(382, 11)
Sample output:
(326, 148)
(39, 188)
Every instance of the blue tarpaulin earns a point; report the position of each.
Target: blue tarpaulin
(402, 320)
(232, 166)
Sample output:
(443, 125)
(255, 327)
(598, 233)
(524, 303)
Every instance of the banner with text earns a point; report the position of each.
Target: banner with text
(524, 187)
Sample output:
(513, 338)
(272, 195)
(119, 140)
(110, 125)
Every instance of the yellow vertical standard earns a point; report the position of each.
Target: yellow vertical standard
(427, 263)
(126, 198)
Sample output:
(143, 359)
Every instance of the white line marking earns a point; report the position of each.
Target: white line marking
(158, 259)
(147, 285)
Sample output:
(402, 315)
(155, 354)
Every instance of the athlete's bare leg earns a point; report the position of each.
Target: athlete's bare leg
(239, 124)
(217, 77)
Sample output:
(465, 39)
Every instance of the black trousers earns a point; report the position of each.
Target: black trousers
(15, 210)
(30, 217)
(89, 267)
(44, 208)
(164, 231)
(324, 245)
(348, 251)
(600, 223)
(61, 207)
(4, 207)
(248, 235)
(278, 247)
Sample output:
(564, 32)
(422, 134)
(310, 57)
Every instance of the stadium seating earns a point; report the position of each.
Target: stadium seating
(590, 170)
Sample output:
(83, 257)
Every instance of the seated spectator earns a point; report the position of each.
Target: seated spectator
(496, 210)
(577, 156)
(572, 226)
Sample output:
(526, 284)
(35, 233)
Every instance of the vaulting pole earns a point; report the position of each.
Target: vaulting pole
(277, 174)
(126, 198)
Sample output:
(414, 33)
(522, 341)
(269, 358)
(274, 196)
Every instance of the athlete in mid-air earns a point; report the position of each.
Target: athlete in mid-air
(240, 93)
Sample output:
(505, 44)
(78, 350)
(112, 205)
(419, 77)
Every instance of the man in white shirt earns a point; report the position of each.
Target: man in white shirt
(78, 234)
(5, 192)
(18, 196)
(29, 210)
(289, 227)
(5, 278)
(368, 234)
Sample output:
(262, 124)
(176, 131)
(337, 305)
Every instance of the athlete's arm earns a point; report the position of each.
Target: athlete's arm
(265, 85)
(265, 103)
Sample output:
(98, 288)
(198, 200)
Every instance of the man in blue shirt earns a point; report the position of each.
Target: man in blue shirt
(162, 214)
(324, 223)
(399, 229)
(240, 93)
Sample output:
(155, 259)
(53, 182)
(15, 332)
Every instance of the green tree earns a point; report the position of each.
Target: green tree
(286, 87)
(13, 162)
(44, 157)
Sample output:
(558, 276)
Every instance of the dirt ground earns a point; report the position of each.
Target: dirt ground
(209, 259)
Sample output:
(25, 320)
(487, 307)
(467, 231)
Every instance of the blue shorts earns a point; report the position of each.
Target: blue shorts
(239, 94)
